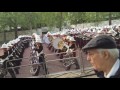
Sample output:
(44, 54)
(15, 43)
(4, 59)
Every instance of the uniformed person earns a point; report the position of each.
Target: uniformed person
(5, 56)
(72, 46)
(39, 49)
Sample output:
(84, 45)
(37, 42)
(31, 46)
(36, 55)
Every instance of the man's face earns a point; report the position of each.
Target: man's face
(96, 59)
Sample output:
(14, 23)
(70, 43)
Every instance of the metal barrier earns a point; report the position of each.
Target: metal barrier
(81, 60)
(47, 62)
(23, 66)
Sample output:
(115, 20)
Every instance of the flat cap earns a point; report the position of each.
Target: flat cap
(101, 42)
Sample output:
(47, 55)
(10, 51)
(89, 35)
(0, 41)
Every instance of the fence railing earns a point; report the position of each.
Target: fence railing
(48, 66)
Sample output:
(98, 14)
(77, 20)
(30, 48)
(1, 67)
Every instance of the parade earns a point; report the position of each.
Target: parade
(67, 50)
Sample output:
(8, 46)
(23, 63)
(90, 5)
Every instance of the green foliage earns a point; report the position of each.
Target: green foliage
(30, 20)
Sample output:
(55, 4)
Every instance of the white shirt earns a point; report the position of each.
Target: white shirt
(114, 69)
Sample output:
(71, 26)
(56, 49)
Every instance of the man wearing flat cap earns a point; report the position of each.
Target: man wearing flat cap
(103, 54)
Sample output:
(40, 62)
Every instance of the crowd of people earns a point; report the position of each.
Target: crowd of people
(13, 54)
(82, 36)
(79, 38)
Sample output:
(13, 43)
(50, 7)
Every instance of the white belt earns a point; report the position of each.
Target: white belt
(38, 54)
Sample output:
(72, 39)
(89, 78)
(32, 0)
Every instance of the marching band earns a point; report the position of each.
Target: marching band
(64, 42)
(68, 40)
(13, 54)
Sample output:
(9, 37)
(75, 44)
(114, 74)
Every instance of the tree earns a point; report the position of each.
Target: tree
(110, 18)
(11, 20)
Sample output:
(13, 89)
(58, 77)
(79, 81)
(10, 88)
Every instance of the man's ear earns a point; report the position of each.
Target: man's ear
(106, 54)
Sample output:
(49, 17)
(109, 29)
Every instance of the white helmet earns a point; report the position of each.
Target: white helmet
(72, 39)
(4, 46)
(9, 45)
(38, 40)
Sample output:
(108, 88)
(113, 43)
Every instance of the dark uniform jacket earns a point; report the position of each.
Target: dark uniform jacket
(117, 74)
(41, 57)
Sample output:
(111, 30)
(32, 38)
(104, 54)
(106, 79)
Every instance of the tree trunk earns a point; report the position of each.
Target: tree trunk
(96, 19)
(4, 36)
(31, 28)
(110, 19)
(61, 15)
(16, 34)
